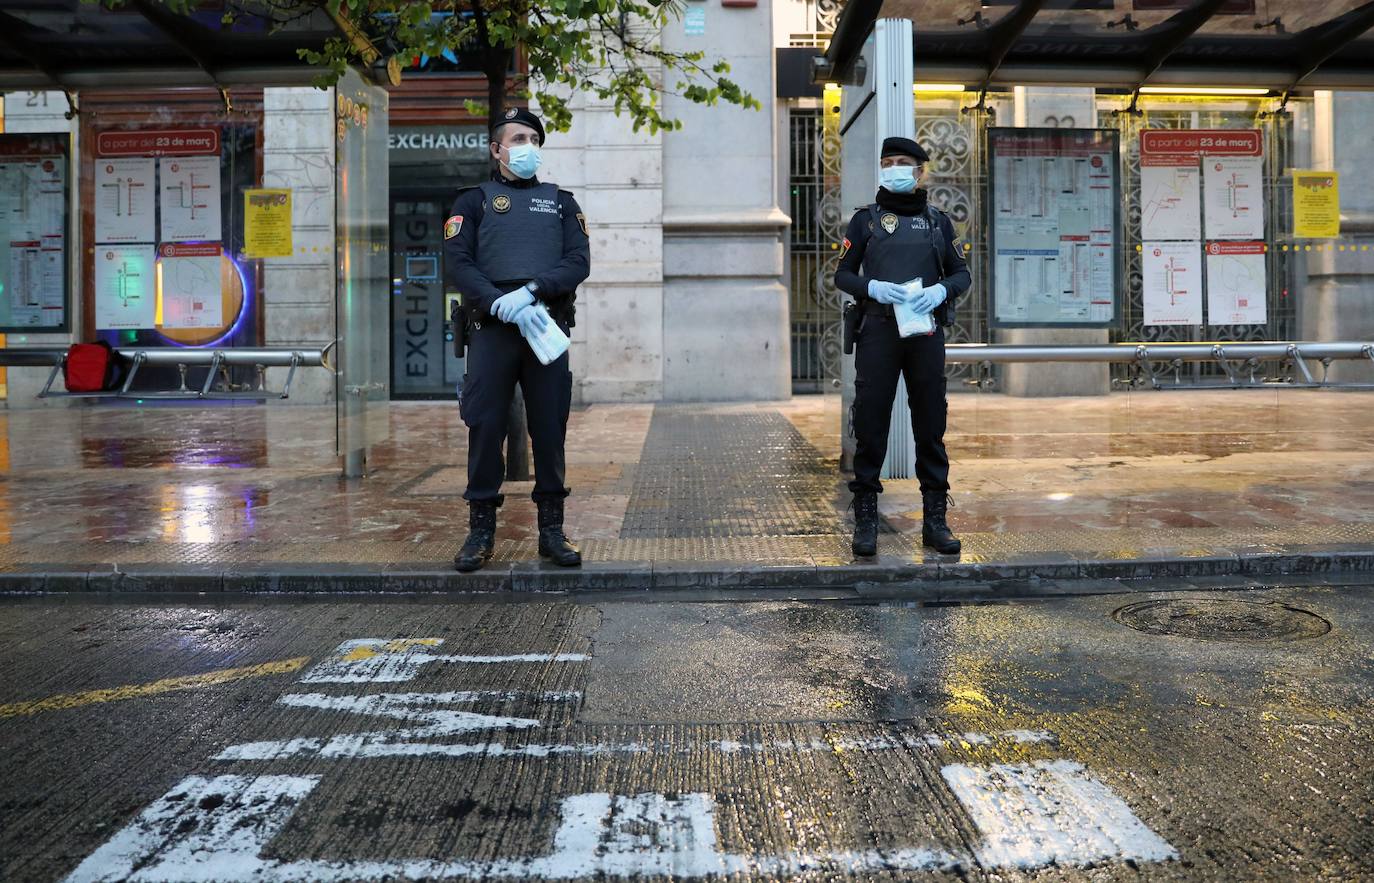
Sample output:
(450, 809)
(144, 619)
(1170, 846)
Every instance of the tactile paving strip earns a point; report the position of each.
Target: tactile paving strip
(824, 548)
(730, 475)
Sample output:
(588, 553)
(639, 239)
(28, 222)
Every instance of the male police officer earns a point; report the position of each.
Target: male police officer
(897, 239)
(510, 243)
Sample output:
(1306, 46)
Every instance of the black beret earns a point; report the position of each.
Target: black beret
(524, 117)
(905, 147)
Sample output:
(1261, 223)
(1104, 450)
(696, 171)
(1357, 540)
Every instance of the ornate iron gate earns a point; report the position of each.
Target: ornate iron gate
(817, 229)
(955, 178)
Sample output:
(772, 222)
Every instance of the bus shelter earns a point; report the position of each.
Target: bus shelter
(172, 181)
(1121, 171)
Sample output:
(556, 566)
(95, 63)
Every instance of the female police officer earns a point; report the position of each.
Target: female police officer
(897, 239)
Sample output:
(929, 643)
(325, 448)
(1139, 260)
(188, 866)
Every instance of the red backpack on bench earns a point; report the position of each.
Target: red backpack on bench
(90, 367)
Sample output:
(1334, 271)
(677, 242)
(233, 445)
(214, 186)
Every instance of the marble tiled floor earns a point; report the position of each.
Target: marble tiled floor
(1192, 468)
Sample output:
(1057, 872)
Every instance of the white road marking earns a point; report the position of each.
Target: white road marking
(423, 709)
(203, 829)
(217, 829)
(1050, 812)
(388, 660)
(437, 723)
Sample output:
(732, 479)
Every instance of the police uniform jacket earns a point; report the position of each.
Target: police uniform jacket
(898, 238)
(503, 234)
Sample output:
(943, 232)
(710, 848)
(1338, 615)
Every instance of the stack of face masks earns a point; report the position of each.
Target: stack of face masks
(910, 322)
(550, 343)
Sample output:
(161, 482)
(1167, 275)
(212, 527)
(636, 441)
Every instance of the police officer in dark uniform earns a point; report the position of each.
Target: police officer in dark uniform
(897, 239)
(510, 243)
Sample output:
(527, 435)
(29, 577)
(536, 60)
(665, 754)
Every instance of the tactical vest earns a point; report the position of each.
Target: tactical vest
(905, 247)
(521, 233)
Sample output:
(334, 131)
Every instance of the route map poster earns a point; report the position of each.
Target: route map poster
(1236, 283)
(190, 281)
(1055, 227)
(1234, 205)
(1172, 282)
(33, 232)
(190, 198)
(125, 293)
(124, 200)
(1201, 190)
(159, 229)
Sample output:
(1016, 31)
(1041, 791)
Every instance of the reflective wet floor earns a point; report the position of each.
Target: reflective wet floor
(1135, 474)
(1181, 736)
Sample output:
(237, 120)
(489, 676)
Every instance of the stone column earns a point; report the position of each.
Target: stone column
(616, 174)
(1338, 299)
(1039, 107)
(726, 333)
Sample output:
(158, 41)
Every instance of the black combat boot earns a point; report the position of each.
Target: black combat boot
(477, 547)
(865, 523)
(552, 541)
(935, 530)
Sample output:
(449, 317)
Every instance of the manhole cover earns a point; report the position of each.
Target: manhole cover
(1222, 620)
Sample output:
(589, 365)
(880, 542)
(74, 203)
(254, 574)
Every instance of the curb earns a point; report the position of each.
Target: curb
(884, 575)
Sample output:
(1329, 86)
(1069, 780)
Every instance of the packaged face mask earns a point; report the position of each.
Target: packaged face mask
(910, 322)
(549, 344)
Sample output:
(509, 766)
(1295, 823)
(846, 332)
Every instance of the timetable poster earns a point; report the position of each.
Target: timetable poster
(33, 231)
(1055, 227)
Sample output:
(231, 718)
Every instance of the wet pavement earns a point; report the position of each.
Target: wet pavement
(1136, 484)
(1165, 736)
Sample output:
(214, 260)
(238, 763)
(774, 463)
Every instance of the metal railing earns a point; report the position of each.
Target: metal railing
(1241, 361)
(183, 359)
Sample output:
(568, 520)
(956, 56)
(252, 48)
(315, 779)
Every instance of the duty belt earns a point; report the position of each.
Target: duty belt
(873, 308)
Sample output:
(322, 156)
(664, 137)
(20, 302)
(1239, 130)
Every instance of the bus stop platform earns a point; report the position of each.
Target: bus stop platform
(1050, 496)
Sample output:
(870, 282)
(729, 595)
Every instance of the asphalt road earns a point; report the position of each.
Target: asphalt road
(1210, 736)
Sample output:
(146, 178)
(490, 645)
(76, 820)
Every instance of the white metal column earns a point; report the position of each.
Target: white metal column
(892, 81)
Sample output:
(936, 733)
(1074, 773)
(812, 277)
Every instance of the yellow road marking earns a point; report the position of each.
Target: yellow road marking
(400, 645)
(167, 685)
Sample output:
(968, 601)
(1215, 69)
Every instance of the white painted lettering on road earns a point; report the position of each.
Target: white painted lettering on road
(385, 660)
(1050, 812)
(203, 829)
(425, 709)
(217, 829)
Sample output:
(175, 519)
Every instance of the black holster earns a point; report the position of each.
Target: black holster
(458, 318)
(852, 317)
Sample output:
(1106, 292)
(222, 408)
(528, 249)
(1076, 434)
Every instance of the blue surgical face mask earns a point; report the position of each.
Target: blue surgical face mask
(898, 179)
(523, 160)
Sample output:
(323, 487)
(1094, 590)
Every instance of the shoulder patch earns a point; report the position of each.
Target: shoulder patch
(452, 226)
(582, 222)
(844, 249)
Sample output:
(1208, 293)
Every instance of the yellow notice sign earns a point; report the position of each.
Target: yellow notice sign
(1316, 205)
(267, 223)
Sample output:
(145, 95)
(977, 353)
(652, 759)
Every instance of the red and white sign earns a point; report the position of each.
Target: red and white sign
(1155, 143)
(1236, 248)
(158, 142)
(179, 250)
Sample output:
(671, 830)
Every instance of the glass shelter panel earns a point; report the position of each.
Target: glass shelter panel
(363, 246)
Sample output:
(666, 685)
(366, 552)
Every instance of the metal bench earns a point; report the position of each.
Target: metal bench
(1145, 356)
(217, 360)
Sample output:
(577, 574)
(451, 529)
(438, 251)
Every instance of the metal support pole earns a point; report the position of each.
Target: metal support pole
(893, 75)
